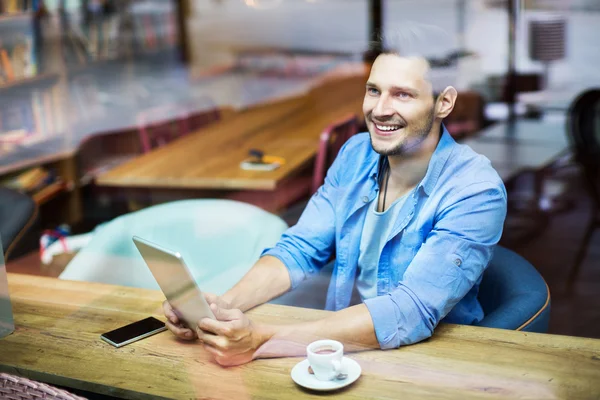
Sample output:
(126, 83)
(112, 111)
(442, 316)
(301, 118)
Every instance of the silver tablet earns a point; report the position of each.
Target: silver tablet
(176, 282)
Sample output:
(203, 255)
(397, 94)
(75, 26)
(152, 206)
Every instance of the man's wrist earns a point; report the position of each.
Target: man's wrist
(233, 302)
(264, 333)
(281, 341)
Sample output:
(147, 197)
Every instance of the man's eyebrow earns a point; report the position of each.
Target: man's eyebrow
(409, 90)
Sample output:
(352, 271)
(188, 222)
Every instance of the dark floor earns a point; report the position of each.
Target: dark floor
(552, 253)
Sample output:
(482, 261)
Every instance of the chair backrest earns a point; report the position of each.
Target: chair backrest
(467, 115)
(513, 294)
(331, 141)
(219, 239)
(158, 126)
(583, 126)
(17, 387)
(201, 111)
(203, 118)
(17, 213)
(7, 321)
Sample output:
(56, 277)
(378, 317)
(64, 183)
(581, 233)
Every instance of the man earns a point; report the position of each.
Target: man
(413, 218)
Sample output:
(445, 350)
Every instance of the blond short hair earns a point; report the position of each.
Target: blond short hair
(432, 43)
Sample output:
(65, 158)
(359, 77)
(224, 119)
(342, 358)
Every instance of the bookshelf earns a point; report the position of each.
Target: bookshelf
(41, 81)
(42, 93)
(53, 186)
(17, 7)
(13, 16)
(125, 31)
(33, 158)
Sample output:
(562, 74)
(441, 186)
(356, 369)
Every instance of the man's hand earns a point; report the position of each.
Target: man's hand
(218, 300)
(233, 338)
(177, 327)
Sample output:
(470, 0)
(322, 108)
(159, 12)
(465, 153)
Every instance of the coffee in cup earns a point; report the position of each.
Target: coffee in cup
(325, 358)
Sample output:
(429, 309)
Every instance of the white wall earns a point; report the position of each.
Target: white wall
(322, 25)
(342, 25)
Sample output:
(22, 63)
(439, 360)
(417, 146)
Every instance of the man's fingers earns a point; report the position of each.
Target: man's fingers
(215, 352)
(211, 298)
(169, 313)
(217, 327)
(224, 314)
(220, 357)
(181, 332)
(215, 341)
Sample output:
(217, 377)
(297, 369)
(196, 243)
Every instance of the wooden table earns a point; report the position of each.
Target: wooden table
(527, 131)
(58, 324)
(519, 156)
(210, 158)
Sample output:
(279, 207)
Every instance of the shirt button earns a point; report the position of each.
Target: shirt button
(457, 262)
(365, 199)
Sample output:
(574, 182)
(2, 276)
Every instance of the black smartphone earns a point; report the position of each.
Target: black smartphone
(134, 331)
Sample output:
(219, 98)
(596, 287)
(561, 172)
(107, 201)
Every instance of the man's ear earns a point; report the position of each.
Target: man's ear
(445, 102)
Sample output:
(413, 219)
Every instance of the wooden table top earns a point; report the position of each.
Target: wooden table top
(57, 340)
(210, 158)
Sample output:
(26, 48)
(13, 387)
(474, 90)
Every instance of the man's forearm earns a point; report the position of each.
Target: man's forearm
(352, 326)
(268, 278)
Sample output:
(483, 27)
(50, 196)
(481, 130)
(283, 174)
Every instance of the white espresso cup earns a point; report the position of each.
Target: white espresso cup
(325, 358)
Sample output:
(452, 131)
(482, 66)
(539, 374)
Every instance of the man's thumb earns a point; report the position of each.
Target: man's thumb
(223, 314)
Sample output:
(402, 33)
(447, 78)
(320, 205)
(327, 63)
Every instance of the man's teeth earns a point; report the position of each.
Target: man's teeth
(388, 128)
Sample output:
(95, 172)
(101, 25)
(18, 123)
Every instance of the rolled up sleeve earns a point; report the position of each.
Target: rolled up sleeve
(450, 261)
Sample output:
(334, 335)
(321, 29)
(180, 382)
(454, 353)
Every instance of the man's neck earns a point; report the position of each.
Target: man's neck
(407, 170)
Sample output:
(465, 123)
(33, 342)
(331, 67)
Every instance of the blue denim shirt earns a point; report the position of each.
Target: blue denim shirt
(432, 263)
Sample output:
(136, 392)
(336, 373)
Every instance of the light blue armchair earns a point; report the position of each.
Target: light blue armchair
(219, 240)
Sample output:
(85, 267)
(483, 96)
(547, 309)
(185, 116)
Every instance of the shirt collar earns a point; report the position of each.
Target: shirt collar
(436, 164)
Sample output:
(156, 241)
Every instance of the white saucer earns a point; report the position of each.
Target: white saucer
(302, 377)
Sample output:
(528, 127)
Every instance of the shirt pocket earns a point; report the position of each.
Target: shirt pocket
(404, 251)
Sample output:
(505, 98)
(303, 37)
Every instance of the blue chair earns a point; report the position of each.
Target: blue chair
(513, 294)
(18, 212)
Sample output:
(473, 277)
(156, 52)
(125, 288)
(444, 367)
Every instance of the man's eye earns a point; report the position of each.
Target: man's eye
(373, 91)
(403, 95)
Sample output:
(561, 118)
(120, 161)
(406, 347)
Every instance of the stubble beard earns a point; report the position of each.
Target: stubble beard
(410, 142)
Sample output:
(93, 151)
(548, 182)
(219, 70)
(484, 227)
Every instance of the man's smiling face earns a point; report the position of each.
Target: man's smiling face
(398, 104)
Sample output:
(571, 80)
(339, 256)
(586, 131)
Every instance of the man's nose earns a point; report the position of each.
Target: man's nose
(383, 107)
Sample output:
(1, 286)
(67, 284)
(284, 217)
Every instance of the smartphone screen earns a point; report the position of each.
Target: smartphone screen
(134, 331)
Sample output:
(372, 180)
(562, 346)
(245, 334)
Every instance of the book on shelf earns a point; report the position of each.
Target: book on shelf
(29, 119)
(17, 50)
(16, 6)
(26, 180)
(16, 116)
(7, 68)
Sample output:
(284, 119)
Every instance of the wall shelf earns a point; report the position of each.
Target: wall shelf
(41, 81)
